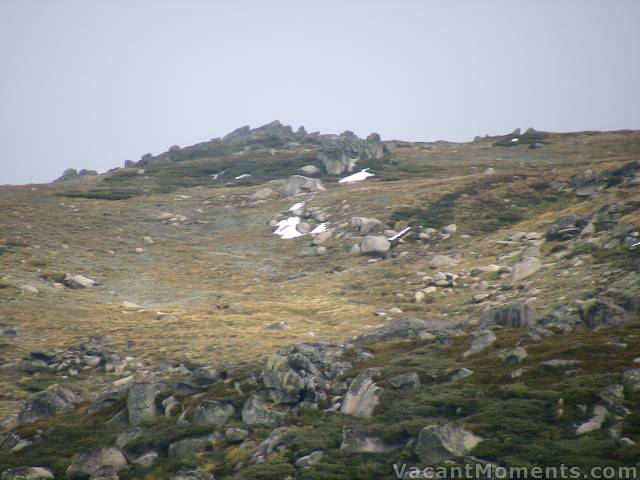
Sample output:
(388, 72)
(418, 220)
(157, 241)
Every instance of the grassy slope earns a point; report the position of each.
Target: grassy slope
(226, 278)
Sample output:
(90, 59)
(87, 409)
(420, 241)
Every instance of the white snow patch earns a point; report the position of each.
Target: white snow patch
(356, 177)
(320, 228)
(216, 176)
(635, 245)
(297, 206)
(287, 228)
(244, 175)
(515, 140)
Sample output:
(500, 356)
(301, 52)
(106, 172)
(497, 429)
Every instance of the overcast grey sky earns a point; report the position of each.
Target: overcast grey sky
(91, 83)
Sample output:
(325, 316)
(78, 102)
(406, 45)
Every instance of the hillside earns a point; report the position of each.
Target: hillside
(470, 302)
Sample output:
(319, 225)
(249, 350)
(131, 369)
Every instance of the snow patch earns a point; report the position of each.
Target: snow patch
(320, 228)
(287, 228)
(297, 206)
(356, 177)
(244, 175)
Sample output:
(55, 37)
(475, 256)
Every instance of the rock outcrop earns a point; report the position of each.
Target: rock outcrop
(341, 153)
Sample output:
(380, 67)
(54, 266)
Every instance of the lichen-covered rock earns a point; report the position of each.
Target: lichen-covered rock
(511, 315)
(211, 412)
(257, 412)
(83, 465)
(439, 443)
(406, 381)
(601, 312)
(297, 184)
(362, 396)
(375, 245)
(27, 473)
(141, 402)
(480, 343)
(48, 403)
(188, 447)
(521, 270)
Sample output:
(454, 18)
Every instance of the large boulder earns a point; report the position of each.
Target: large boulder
(567, 227)
(631, 379)
(211, 412)
(521, 270)
(84, 465)
(375, 245)
(358, 439)
(587, 183)
(27, 473)
(601, 312)
(142, 404)
(362, 396)
(511, 315)
(78, 281)
(262, 194)
(365, 225)
(188, 447)
(297, 184)
(480, 343)
(440, 443)
(404, 329)
(406, 381)
(256, 411)
(443, 261)
(47, 403)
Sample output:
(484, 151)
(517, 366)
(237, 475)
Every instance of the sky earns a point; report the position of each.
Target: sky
(92, 83)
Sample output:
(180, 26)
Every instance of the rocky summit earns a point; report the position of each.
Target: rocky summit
(278, 304)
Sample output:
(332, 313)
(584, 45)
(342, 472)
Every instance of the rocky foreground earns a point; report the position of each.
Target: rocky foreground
(351, 305)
